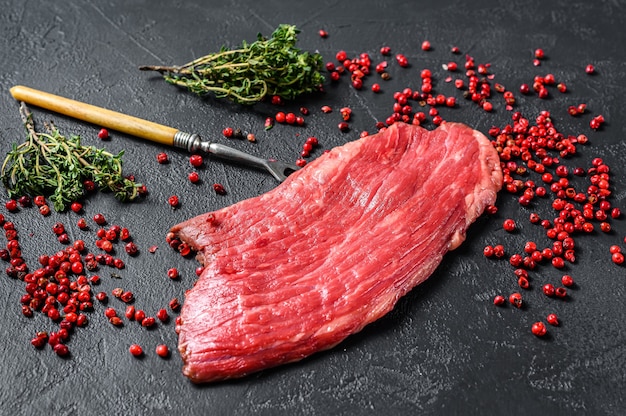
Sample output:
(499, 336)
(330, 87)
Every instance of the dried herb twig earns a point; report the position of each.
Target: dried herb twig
(54, 166)
(246, 75)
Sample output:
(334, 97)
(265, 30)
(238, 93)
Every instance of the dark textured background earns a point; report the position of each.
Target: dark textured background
(445, 349)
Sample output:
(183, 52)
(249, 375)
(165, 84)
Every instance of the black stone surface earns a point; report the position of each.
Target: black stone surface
(445, 349)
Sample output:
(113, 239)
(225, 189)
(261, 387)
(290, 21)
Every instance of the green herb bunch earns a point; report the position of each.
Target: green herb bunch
(54, 166)
(273, 66)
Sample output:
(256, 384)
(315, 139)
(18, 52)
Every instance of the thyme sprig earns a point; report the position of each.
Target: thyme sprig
(266, 67)
(54, 166)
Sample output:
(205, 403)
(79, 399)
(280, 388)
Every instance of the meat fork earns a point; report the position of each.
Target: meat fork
(147, 130)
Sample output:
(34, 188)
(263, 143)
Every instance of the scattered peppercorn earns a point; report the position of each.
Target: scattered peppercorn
(61, 350)
(219, 189)
(228, 132)
(539, 329)
(552, 319)
(173, 201)
(499, 300)
(515, 299)
(174, 304)
(76, 207)
(140, 315)
(402, 60)
(290, 118)
(11, 205)
(103, 134)
(162, 315)
(99, 219)
(116, 321)
(173, 273)
(509, 225)
(280, 117)
(148, 322)
(567, 280)
(194, 177)
(135, 350)
(196, 160)
(162, 158)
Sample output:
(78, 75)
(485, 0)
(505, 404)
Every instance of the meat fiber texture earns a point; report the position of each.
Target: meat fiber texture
(300, 268)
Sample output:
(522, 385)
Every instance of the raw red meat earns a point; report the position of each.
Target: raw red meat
(330, 250)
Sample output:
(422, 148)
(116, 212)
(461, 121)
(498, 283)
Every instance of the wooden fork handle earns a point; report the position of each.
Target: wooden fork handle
(96, 115)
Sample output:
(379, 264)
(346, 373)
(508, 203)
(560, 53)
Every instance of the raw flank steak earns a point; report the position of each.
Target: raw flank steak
(300, 268)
